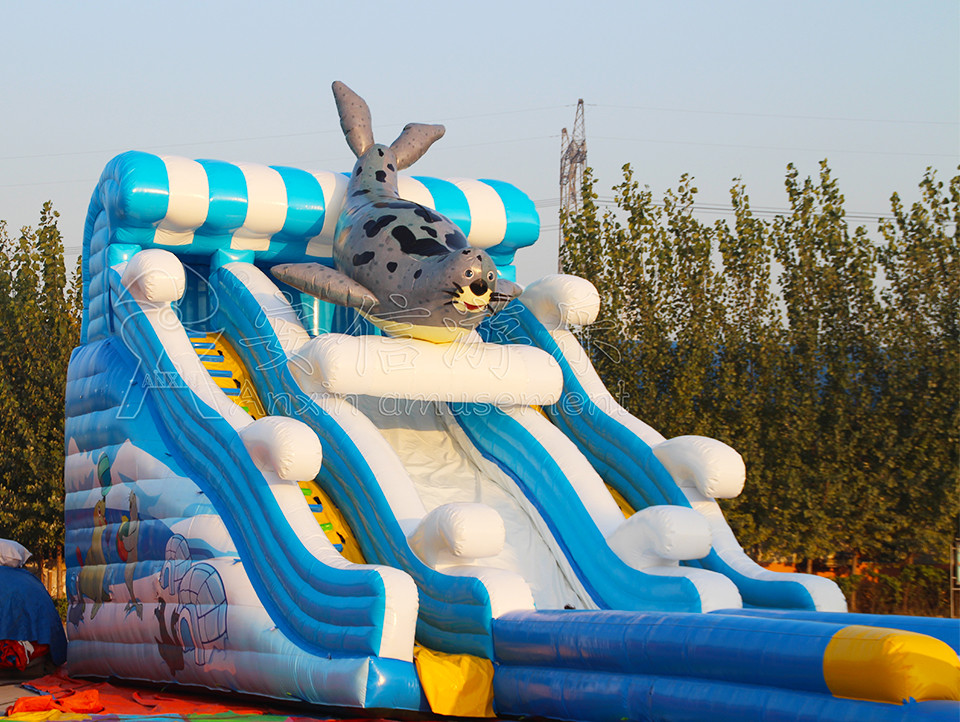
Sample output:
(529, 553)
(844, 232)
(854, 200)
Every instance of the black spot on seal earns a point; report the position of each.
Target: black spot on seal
(358, 170)
(413, 246)
(380, 151)
(382, 176)
(390, 166)
(392, 266)
(427, 215)
(360, 259)
(374, 227)
(416, 274)
(432, 232)
(361, 192)
(455, 241)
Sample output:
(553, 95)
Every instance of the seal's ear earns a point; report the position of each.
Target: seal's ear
(414, 141)
(326, 284)
(354, 118)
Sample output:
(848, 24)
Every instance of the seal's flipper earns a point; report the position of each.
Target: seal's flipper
(326, 284)
(354, 118)
(414, 141)
(505, 293)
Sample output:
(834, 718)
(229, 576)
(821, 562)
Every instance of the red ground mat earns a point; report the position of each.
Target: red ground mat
(63, 698)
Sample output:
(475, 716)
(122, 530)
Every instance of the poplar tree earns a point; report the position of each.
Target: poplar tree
(920, 332)
(40, 321)
(829, 362)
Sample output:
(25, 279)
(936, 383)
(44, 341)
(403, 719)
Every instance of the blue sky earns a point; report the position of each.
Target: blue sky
(718, 90)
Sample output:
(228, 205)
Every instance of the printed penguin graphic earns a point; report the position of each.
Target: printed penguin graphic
(403, 266)
(128, 536)
(91, 582)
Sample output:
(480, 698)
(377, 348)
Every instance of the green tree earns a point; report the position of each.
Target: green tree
(837, 384)
(830, 365)
(40, 318)
(749, 367)
(920, 258)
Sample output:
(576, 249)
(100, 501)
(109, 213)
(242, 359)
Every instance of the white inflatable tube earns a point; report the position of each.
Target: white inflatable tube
(419, 370)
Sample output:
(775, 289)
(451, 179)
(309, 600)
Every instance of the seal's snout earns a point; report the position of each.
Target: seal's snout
(479, 287)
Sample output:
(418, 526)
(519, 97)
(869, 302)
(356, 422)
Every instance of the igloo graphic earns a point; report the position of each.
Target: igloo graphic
(198, 620)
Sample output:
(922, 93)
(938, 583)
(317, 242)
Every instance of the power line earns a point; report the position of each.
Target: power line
(47, 183)
(769, 212)
(115, 149)
(775, 115)
(274, 136)
(769, 147)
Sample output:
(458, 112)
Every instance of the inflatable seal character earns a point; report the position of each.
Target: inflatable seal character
(402, 265)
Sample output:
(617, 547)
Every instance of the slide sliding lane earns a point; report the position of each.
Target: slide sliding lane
(230, 375)
(455, 612)
(611, 583)
(626, 462)
(677, 666)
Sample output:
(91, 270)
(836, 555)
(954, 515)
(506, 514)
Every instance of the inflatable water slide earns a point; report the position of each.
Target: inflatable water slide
(322, 448)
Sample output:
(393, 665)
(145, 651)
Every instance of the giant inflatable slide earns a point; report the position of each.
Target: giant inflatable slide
(323, 449)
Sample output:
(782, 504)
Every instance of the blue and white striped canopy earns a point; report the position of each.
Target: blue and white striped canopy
(197, 207)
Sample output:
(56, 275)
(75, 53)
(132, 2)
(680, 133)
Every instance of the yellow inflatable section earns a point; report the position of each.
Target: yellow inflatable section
(457, 685)
(889, 665)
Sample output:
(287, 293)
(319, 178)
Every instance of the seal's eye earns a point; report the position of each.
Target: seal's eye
(491, 276)
(468, 273)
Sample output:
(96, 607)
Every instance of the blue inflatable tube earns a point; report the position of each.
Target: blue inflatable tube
(677, 667)
(946, 630)
(740, 650)
(600, 697)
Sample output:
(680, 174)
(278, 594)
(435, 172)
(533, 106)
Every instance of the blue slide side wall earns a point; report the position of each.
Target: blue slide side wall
(611, 583)
(322, 608)
(624, 461)
(110, 401)
(455, 612)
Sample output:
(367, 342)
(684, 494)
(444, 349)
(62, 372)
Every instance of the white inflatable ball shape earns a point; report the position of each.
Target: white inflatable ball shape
(286, 447)
(561, 300)
(705, 464)
(458, 533)
(154, 276)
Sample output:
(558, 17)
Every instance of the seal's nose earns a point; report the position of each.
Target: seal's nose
(479, 287)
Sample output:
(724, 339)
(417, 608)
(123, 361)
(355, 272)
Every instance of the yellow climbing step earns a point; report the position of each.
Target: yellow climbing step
(228, 371)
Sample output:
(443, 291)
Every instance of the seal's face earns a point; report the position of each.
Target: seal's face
(473, 279)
